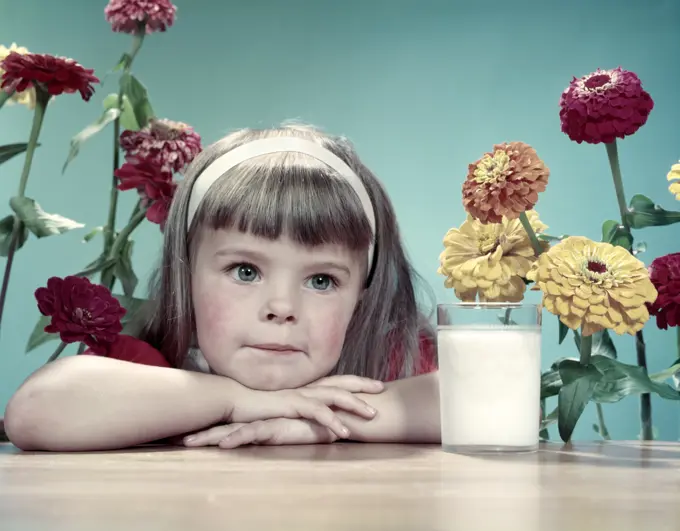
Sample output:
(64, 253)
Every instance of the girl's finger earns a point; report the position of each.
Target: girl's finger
(210, 437)
(341, 399)
(353, 384)
(317, 410)
(253, 433)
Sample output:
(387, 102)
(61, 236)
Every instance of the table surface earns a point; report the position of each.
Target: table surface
(590, 486)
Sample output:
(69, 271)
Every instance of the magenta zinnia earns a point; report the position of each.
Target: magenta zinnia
(170, 146)
(664, 273)
(126, 15)
(504, 183)
(603, 106)
(81, 311)
(54, 75)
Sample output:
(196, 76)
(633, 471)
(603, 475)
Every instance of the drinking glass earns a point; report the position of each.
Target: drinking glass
(489, 376)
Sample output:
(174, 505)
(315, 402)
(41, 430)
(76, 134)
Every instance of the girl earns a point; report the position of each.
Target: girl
(283, 300)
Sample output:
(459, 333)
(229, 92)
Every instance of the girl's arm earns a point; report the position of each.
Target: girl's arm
(408, 412)
(89, 403)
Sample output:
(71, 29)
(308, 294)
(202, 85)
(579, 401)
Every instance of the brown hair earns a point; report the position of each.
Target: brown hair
(293, 194)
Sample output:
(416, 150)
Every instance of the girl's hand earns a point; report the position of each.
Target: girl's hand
(316, 402)
(270, 432)
(353, 384)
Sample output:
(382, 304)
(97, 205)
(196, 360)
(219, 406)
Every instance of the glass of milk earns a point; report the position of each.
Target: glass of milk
(489, 376)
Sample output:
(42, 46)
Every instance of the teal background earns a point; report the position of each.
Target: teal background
(422, 87)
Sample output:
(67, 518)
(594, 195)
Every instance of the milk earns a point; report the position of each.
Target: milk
(489, 379)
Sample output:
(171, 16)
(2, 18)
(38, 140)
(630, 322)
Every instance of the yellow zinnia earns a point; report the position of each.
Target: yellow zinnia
(25, 97)
(594, 285)
(489, 261)
(674, 175)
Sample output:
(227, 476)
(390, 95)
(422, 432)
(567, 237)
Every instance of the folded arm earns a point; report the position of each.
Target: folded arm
(408, 412)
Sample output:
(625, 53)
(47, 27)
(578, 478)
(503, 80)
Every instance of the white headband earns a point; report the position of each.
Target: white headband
(266, 146)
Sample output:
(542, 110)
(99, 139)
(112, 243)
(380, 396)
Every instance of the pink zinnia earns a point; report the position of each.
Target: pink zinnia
(603, 106)
(170, 146)
(126, 15)
(54, 75)
(664, 272)
(155, 187)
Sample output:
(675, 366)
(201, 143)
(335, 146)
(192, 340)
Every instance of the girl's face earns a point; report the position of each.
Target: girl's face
(273, 314)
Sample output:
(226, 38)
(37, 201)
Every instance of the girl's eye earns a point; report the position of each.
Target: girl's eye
(322, 282)
(243, 272)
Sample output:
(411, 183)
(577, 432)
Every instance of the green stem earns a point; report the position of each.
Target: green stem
(57, 352)
(586, 349)
(535, 243)
(4, 96)
(645, 398)
(600, 419)
(640, 348)
(613, 155)
(108, 277)
(110, 229)
(42, 99)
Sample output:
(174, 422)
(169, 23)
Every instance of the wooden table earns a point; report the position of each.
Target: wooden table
(588, 487)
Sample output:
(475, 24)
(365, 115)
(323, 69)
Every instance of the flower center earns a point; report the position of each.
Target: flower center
(596, 267)
(597, 81)
(492, 169)
(487, 244)
(81, 314)
(167, 129)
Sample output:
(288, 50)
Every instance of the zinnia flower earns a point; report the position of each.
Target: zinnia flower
(665, 275)
(594, 286)
(54, 75)
(154, 185)
(489, 261)
(81, 311)
(674, 175)
(504, 183)
(25, 97)
(126, 15)
(170, 146)
(603, 106)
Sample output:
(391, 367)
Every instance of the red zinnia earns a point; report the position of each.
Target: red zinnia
(603, 106)
(170, 146)
(154, 185)
(664, 273)
(126, 15)
(54, 75)
(81, 311)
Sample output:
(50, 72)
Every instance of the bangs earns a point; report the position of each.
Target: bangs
(287, 194)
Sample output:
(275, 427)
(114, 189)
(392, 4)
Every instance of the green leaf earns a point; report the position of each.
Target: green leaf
(642, 212)
(123, 269)
(621, 379)
(6, 226)
(11, 150)
(95, 127)
(93, 233)
(39, 336)
(549, 420)
(127, 116)
(124, 62)
(550, 383)
(133, 305)
(616, 234)
(40, 222)
(564, 330)
(95, 267)
(602, 344)
(580, 382)
(139, 98)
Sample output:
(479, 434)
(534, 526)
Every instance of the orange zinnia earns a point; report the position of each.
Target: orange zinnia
(504, 183)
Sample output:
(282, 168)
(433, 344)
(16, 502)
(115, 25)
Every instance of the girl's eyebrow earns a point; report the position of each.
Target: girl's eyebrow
(255, 256)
